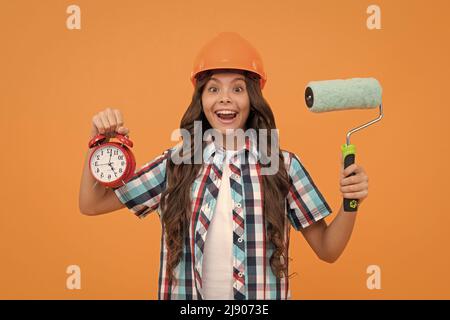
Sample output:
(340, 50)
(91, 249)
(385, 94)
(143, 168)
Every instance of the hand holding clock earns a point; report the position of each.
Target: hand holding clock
(106, 125)
(108, 122)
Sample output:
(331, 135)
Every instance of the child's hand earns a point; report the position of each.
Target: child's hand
(108, 122)
(356, 186)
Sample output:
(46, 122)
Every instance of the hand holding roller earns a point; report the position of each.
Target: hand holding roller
(355, 93)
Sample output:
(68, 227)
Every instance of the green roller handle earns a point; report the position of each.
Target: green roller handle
(349, 153)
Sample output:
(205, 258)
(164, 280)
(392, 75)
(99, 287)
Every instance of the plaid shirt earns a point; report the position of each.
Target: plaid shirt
(253, 277)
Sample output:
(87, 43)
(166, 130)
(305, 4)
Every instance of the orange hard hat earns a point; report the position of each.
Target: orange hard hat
(228, 50)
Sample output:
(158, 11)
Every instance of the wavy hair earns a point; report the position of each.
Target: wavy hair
(176, 199)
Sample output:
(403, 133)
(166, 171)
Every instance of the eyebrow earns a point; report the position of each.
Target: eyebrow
(231, 81)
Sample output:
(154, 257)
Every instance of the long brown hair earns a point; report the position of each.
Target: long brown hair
(176, 199)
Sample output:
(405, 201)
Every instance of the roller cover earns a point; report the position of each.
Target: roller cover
(355, 93)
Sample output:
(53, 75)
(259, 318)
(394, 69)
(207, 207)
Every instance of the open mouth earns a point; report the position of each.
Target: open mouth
(226, 116)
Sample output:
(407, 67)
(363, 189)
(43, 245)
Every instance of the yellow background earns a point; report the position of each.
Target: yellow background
(137, 56)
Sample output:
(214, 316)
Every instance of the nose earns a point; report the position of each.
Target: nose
(225, 99)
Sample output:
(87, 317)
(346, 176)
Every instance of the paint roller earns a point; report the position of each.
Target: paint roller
(355, 93)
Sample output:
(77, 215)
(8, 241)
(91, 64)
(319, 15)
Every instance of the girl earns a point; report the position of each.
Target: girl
(226, 224)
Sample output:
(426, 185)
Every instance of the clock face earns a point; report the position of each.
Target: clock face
(108, 163)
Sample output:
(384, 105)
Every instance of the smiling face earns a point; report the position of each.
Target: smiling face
(225, 101)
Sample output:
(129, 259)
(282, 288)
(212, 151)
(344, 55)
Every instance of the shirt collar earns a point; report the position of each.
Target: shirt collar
(213, 152)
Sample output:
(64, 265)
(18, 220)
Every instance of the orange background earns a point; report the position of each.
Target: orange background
(137, 56)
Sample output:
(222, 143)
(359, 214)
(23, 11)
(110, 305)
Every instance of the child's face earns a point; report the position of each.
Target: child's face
(226, 91)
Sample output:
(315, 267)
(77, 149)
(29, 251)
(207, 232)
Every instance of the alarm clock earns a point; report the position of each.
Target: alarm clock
(112, 163)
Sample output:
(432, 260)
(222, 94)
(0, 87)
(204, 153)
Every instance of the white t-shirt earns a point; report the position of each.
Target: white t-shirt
(217, 277)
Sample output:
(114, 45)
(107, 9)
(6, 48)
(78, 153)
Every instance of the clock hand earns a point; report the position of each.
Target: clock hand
(112, 168)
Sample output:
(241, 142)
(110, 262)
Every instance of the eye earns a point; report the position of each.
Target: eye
(209, 89)
(242, 89)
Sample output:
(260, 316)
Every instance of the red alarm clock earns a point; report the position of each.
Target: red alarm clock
(112, 163)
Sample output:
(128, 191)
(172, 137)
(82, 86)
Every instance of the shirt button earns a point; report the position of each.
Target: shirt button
(235, 176)
(240, 239)
(240, 274)
(238, 205)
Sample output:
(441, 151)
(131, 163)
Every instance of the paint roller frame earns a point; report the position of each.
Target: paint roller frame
(349, 152)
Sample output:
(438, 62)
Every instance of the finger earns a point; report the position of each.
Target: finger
(355, 195)
(112, 120)
(355, 179)
(98, 124)
(119, 118)
(348, 180)
(355, 187)
(123, 130)
(104, 120)
(350, 169)
(120, 128)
